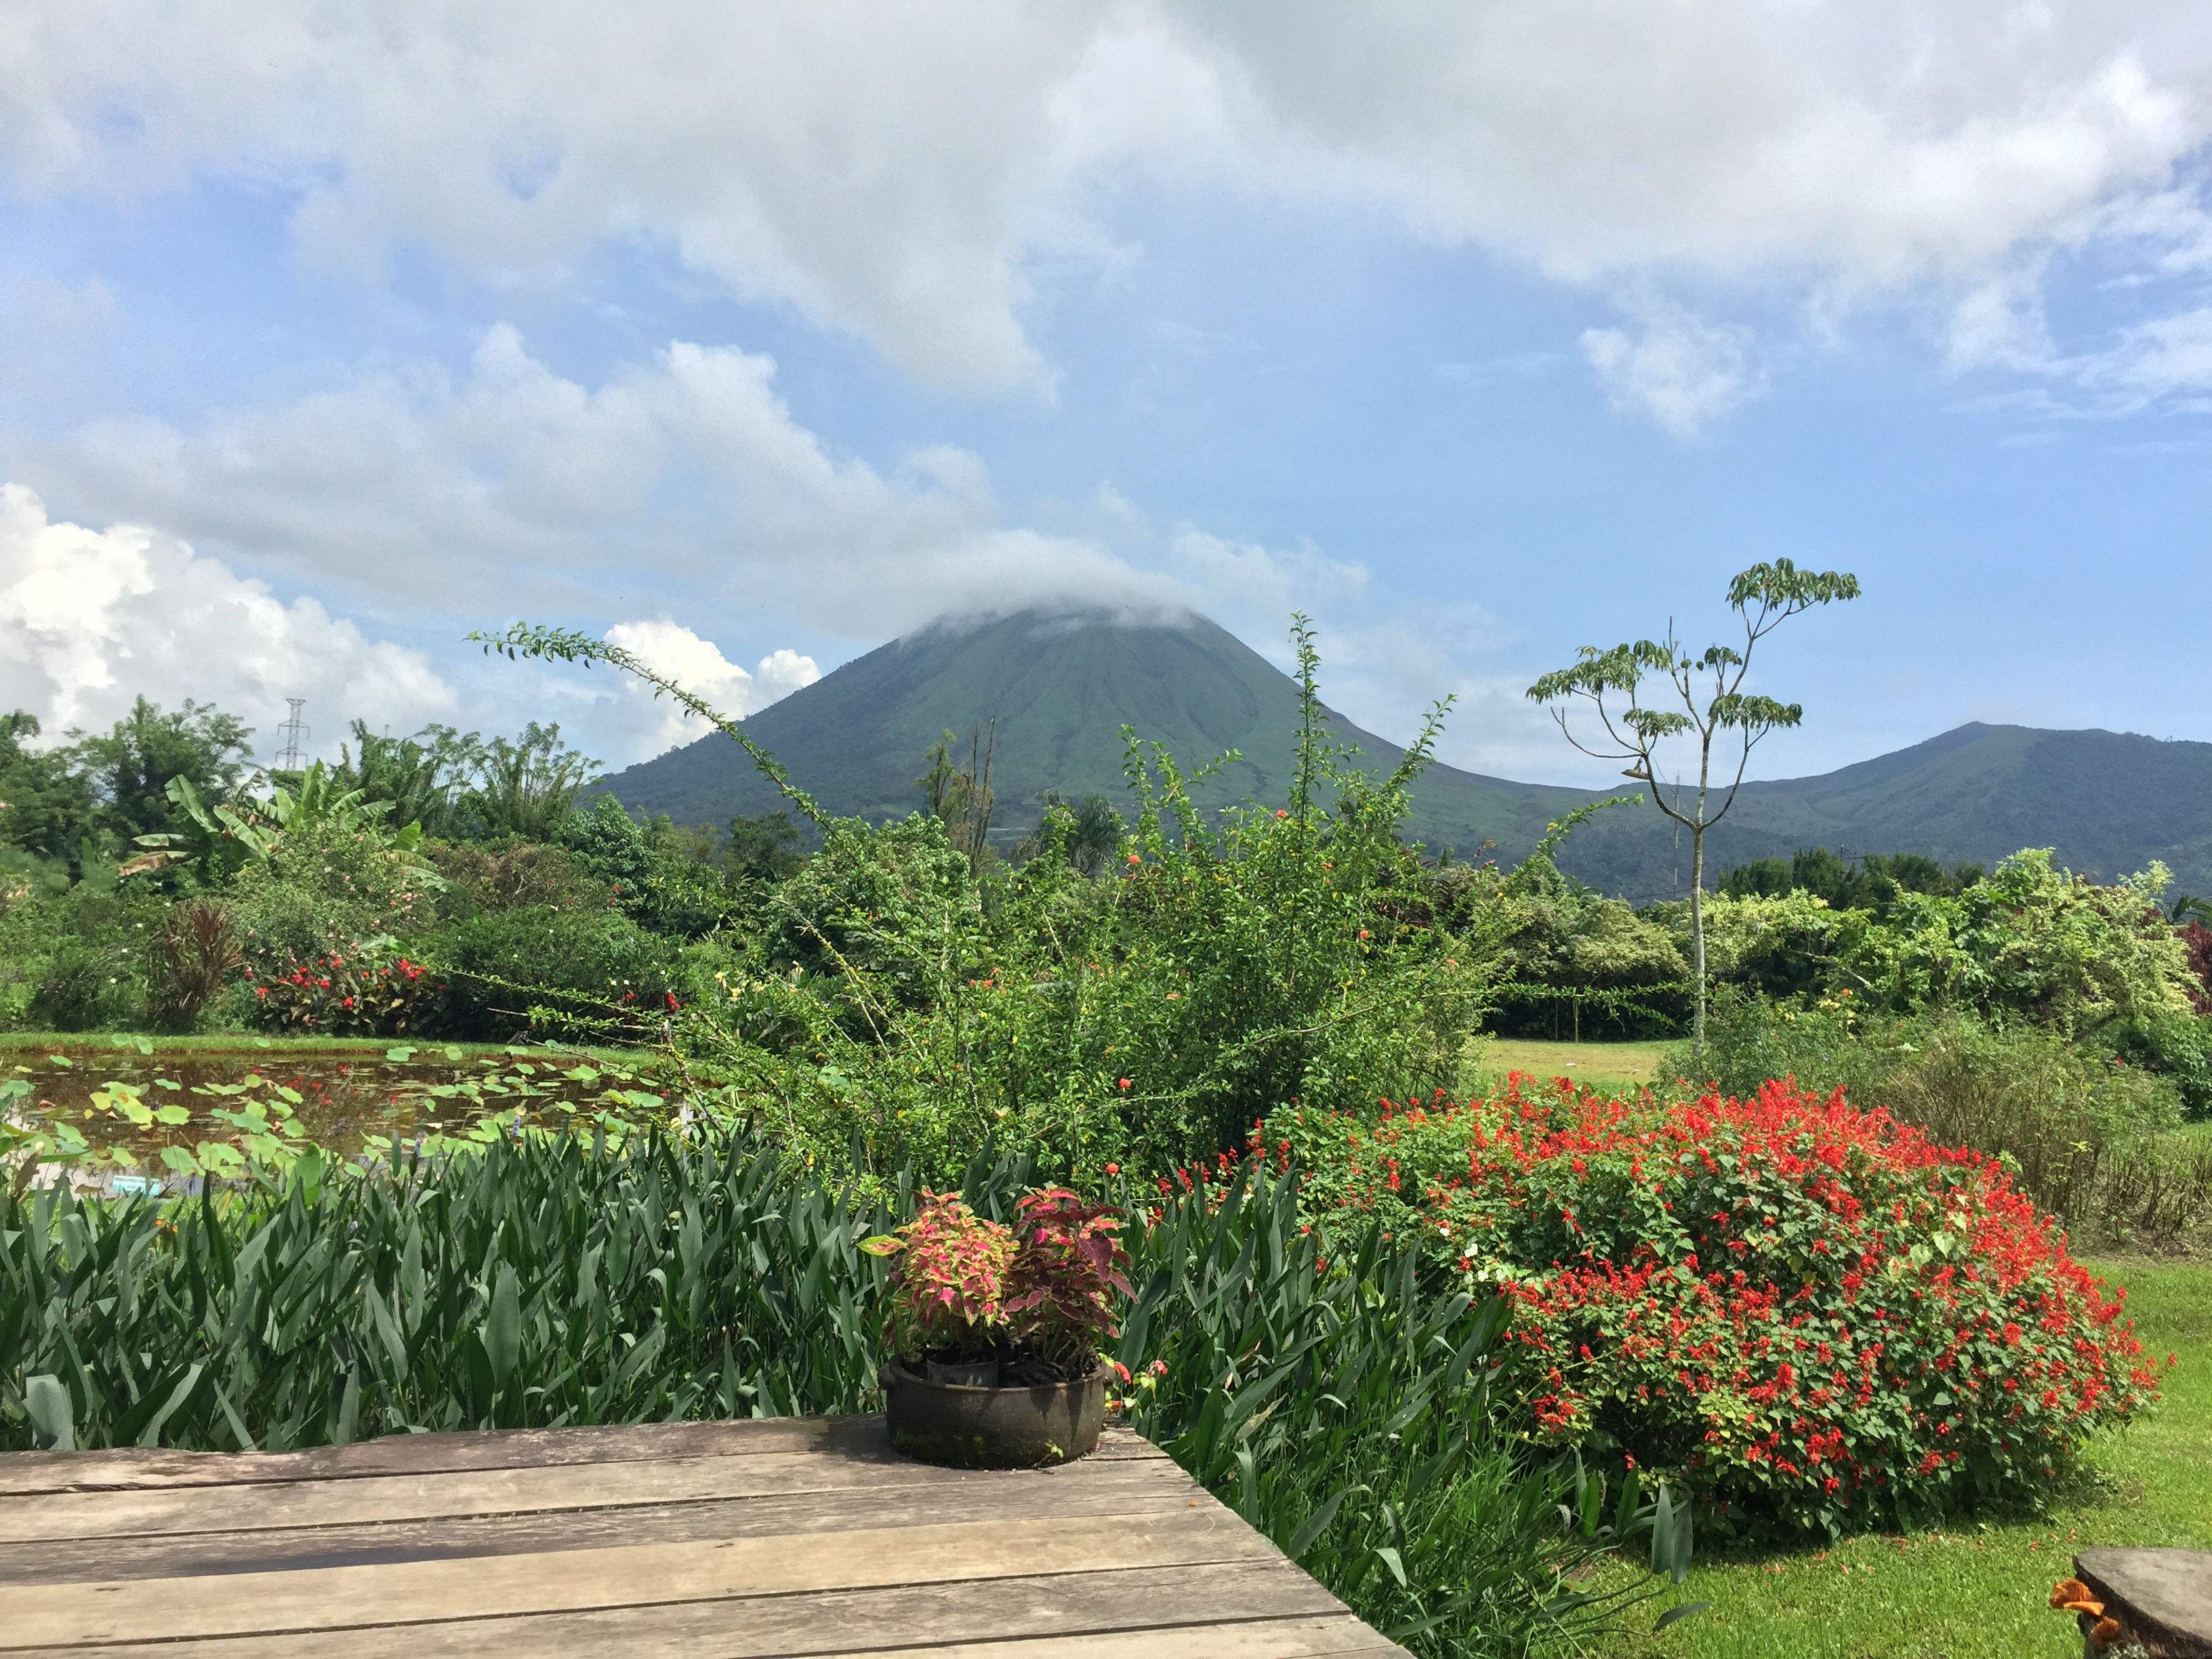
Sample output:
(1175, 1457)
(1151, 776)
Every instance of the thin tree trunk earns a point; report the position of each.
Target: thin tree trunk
(1697, 938)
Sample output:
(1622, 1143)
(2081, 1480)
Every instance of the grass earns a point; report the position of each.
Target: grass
(1631, 1064)
(1981, 1591)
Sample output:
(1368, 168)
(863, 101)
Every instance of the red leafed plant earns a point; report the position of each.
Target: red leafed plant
(2197, 940)
(948, 1285)
(966, 1287)
(1067, 1272)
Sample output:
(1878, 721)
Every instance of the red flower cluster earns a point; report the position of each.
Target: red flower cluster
(1808, 1313)
(348, 995)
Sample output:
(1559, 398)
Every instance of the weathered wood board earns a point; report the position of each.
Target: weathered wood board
(743, 1541)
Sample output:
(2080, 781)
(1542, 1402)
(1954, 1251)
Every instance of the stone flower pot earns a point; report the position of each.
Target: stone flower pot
(1014, 1425)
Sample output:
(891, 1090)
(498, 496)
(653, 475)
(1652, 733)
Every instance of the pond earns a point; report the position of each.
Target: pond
(122, 1118)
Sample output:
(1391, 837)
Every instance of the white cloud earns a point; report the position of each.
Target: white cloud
(90, 619)
(698, 666)
(1682, 372)
(1261, 585)
(910, 174)
(681, 480)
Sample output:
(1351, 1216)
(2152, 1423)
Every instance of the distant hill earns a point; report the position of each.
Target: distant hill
(1061, 685)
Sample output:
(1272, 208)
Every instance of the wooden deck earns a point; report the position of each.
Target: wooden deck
(737, 1539)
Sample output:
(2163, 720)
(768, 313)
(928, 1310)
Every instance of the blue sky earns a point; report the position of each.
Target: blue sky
(1481, 336)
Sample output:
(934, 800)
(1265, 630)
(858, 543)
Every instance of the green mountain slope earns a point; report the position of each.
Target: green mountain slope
(1061, 686)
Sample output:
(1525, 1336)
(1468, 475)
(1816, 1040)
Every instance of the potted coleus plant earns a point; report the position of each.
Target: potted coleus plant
(992, 1334)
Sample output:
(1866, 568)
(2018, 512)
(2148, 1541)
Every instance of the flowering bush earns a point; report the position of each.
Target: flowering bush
(1811, 1314)
(361, 992)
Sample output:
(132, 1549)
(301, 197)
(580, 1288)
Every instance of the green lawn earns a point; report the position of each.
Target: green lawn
(1980, 1591)
(1631, 1064)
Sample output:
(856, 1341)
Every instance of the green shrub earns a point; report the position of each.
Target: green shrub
(555, 973)
(650, 880)
(76, 960)
(2031, 942)
(1814, 1317)
(485, 880)
(901, 1005)
(2178, 1047)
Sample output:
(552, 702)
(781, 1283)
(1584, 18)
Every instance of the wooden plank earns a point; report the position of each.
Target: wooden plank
(134, 1512)
(1131, 1487)
(25, 1473)
(1340, 1637)
(1051, 1609)
(341, 1598)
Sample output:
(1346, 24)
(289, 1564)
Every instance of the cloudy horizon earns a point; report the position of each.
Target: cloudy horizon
(754, 339)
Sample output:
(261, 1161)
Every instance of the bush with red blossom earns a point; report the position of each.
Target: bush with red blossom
(1808, 1314)
(363, 991)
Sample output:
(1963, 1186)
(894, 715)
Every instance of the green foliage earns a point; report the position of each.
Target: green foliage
(2031, 941)
(76, 959)
(2177, 1048)
(1575, 962)
(47, 798)
(324, 887)
(312, 808)
(649, 878)
(423, 776)
(900, 1007)
(1873, 882)
(525, 786)
(481, 880)
(1778, 946)
(131, 765)
(766, 847)
(555, 972)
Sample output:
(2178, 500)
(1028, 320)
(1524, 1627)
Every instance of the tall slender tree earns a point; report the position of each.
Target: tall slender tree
(1718, 718)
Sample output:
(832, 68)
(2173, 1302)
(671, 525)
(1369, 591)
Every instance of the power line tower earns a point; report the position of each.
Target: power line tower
(295, 734)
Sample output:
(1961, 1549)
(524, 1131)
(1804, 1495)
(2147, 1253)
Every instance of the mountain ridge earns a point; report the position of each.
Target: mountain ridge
(1061, 683)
